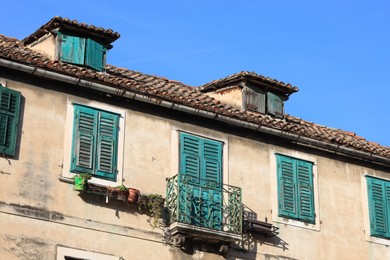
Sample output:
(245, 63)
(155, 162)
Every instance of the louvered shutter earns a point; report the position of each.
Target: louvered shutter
(72, 49)
(286, 170)
(211, 173)
(9, 119)
(95, 55)
(107, 142)
(211, 155)
(84, 139)
(274, 105)
(305, 191)
(379, 218)
(190, 147)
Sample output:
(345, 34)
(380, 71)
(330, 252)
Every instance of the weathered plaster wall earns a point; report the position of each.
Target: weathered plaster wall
(46, 46)
(231, 96)
(39, 211)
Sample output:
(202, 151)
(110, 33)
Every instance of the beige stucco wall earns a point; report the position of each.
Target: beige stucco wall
(46, 45)
(231, 96)
(39, 210)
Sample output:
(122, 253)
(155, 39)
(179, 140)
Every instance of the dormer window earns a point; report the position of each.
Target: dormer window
(263, 102)
(81, 51)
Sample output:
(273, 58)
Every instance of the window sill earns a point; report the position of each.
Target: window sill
(297, 223)
(378, 240)
(100, 190)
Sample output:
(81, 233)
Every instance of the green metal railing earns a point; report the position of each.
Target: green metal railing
(204, 203)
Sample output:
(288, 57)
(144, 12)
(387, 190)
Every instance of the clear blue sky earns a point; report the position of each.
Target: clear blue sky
(336, 52)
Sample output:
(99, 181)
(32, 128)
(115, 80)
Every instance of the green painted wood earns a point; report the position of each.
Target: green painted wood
(378, 190)
(107, 142)
(305, 191)
(287, 187)
(9, 120)
(295, 189)
(253, 100)
(72, 49)
(201, 165)
(95, 55)
(84, 139)
(95, 142)
(274, 105)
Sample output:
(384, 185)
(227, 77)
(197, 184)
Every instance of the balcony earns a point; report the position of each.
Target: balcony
(203, 209)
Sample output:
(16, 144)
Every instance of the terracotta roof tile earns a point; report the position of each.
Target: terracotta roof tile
(237, 77)
(108, 35)
(163, 89)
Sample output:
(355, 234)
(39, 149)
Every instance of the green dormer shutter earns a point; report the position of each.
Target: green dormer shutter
(253, 100)
(274, 105)
(95, 55)
(9, 119)
(72, 49)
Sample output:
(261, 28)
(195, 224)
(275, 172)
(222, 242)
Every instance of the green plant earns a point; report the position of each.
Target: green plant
(85, 176)
(80, 181)
(122, 188)
(154, 204)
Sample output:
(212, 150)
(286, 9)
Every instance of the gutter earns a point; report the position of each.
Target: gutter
(40, 72)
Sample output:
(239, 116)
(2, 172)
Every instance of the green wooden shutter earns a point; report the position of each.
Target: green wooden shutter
(274, 105)
(211, 155)
(95, 55)
(211, 174)
(84, 139)
(190, 147)
(253, 100)
(107, 142)
(72, 49)
(9, 120)
(379, 218)
(305, 191)
(287, 186)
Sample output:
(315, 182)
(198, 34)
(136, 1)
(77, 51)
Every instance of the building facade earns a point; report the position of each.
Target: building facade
(239, 178)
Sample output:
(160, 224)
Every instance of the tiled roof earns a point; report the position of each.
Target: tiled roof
(164, 89)
(279, 86)
(107, 35)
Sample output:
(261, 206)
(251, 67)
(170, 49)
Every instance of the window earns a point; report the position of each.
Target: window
(95, 142)
(201, 168)
(295, 189)
(82, 51)
(379, 206)
(256, 100)
(9, 119)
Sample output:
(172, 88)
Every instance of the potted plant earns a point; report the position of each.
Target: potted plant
(120, 192)
(133, 195)
(81, 180)
(154, 204)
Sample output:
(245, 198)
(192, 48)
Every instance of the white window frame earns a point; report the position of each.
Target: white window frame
(274, 189)
(63, 252)
(69, 139)
(366, 212)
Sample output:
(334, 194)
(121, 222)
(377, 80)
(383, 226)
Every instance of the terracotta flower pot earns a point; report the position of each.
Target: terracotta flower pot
(133, 195)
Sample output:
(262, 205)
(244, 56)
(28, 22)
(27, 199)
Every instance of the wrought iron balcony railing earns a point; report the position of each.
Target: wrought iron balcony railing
(204, 204)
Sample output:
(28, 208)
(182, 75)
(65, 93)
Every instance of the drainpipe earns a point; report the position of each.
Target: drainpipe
(34, 70)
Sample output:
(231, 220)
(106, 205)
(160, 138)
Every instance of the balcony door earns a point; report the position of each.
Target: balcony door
(200, 195)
